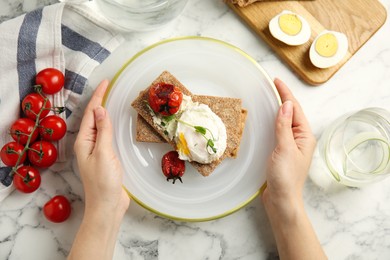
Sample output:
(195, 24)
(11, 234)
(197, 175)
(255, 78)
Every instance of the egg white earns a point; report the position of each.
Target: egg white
(302, 37)
(326, 62)
(201, 115)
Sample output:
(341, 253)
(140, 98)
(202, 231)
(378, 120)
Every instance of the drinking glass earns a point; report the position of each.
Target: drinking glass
(141, 15)
(355, 148)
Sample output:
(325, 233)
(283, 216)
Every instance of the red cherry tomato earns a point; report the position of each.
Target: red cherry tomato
(32, 105)
(42, 154)
(27, 179)
(51, 80)
(173, 167)
(22, 128)
(10, 153)
(165, 98)
(52, 128)
(57, 209)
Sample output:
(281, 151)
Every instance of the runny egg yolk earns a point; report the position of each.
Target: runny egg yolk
(290, 24)
(326, 45)
(182, 145)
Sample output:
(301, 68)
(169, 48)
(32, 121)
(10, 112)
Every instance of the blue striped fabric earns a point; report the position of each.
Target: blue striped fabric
(77, 42)
(74, 82)
(68, 112)
(26, 51)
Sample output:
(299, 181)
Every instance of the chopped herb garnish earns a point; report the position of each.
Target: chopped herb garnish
(168, 119)
(210, 144)
(199, 129)
(203, 130)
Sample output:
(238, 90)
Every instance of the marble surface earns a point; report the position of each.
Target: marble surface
(351, 223)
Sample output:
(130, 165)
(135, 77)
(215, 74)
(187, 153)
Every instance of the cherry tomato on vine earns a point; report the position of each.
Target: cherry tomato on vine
(42, 154)
(27, 179)
(32, 105)
(52, 128)
(51, 80)
(165, 98)
(22, 128)
(57, 209)
(172, 166)
(10, 153)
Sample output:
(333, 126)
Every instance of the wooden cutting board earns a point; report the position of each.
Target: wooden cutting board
(357, 19)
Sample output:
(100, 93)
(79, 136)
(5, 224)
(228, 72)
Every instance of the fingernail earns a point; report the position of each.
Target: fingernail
(100, 113)
(287, 108)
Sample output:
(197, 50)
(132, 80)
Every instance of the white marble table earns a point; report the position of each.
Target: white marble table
(351, 223)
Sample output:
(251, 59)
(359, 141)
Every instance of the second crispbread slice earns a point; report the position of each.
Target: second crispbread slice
(229, 111)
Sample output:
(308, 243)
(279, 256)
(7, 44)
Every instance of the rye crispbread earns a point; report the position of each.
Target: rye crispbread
(228, 109)
(146, 133)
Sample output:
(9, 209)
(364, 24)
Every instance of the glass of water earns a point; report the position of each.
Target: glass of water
(141, 15)
(355, 149)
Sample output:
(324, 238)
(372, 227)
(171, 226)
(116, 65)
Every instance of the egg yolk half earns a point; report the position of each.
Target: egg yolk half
(290, 24)
(182, 145)
(327, 45)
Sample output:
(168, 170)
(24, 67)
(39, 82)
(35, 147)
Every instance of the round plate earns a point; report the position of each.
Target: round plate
(206, 67)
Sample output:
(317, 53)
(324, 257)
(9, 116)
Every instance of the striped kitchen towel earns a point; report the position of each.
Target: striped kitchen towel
(72, 38)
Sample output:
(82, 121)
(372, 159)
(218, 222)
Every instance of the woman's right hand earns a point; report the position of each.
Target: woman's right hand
(289, 163)
(286, 174)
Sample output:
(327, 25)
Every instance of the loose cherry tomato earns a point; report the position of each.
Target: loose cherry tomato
(32, 105)
(42, 154)
(172, 166)
(51, 80)
(165, 98)
(27, 179)
(22, 128)
(57, 209)
(52, 128)
(10, 153)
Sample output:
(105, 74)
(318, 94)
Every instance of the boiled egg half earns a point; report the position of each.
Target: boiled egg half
(290, 28)
(328, 49)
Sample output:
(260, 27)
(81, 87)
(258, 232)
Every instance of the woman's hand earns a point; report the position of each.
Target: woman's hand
(289, 163)
(101, 173)
(100, 169)
(286, 174)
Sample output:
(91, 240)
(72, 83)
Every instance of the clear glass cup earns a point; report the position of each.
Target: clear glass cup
(355, 148)
(141, 15)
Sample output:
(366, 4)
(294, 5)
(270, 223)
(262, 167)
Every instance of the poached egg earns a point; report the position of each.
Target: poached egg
(193, 145)
(200, 135)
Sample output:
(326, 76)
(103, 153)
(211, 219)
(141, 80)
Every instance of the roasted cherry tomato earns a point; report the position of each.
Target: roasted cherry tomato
(165, 98)
(32, 105)
(42, 154)
(27, 179)
(173, 167)
(10, 153)
(57, 209)
(51, 80)
(52, 128)
(22, 128)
